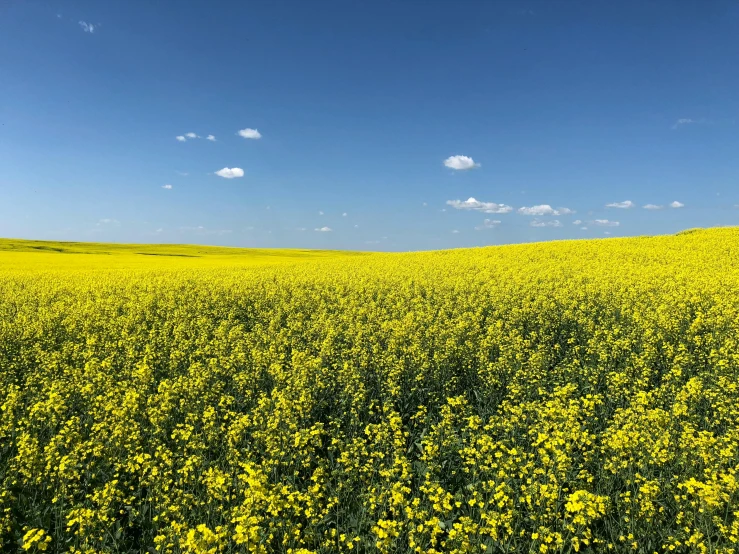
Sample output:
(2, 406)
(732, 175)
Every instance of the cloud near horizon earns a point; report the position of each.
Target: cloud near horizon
(544, 209)
(476, 205)
(624, 205)
(604, 223)
(488, 224)
(540, 223)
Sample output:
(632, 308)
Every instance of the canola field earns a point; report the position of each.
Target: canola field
(576, 396)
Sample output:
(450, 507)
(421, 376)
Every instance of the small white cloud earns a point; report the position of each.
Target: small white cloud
(676, 204)
(210, 138)
(652, 207)
(320, 212)
(584, 228)
(191, 135)
(356, 226)
(424, 204)
(250, 133)
(87, 27)
(577, 222)
(605, 223)
(551, 223)
(455, 231)
(682, 121)
(344, 214)
(200, 230)
(625, 204)
(301, 229)
(160, 230)
(476, 205)
(460, 162)
(230, 173)
(688, 121)
(183, 173)
(168, 187)
(544, 209)
(108, 221)
(324, 229)
(181, 138)
(488, 224)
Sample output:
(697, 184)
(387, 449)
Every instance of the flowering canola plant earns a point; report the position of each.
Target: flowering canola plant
(577, 396)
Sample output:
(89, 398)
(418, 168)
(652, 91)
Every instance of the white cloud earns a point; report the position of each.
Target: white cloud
(552, 223)
(344, 214)
(200, 230)
(488, 224)
(301, 229)
(210, 138)
(87, 27)
(320, 212)
(652, 207)
(455, 231)
(181, 138)
(108, 221)
(605, 223)
(230, 173)
(584, 228)
(324, 229)
(356, 226)
(682, 121)
(476, 205)
(424, 204)
(183, 173)
(160, 230)
(676, 204)
(191, 135)
(460, 162)
(577, 222)
(544, 209)
(168, 187)
(250, 133)
(625, 204)
(688, 121)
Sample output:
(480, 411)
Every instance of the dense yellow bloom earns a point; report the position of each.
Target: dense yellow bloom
(574, 396)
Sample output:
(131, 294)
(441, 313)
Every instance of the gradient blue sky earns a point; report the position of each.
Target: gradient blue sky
(562, 103)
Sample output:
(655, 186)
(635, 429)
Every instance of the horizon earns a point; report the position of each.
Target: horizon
(340, 251)
(366, 127)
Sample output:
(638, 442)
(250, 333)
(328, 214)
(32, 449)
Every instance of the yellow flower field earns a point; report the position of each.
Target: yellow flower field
(577, 396)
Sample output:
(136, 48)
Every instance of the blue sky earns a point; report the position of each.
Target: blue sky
(429, 124)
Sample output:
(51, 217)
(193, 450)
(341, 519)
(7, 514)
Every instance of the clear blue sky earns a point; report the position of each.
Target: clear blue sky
(558, 106)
